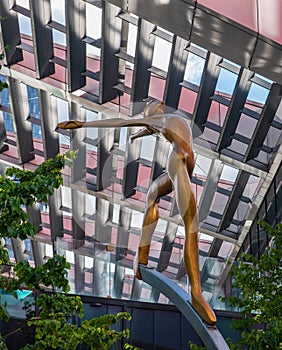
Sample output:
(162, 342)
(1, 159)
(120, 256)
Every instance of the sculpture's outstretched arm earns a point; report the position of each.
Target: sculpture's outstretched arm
(104, 123)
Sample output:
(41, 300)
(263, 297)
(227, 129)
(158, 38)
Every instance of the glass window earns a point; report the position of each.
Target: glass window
(36, 131)
(93, 21)
(226, 82)
(4, 95)
(194, 69)
(257, 93)
(23, 3)
(33, 102)
(8, 121)
(58, 11)
(161, 55)
(24, 24)
(59, 37)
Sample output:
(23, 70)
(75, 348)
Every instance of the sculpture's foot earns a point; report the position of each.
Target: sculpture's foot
(72, 124)
(141, 258)
(203, 309)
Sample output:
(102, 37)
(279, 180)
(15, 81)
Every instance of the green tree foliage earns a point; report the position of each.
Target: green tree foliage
(260, 283)
(57, 330)
(23, 188)
(3, 85)
(57, 322)
(260, 302)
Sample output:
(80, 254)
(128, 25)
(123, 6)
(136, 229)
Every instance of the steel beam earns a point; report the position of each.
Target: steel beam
(268, 113)
(106, 138)
(50, 140)
(131, 166)
(40, 12)
(79, 273)
(234, 199)
(76, 47)
(103, 231)
(210, 189)
(125, 215)
(3, 136)
(78, 217)
(119, 280)
(110, 45)
(161, 153)
(20, 112)
(233, 114)
(142, 62)
(136, 289)
(38, 252)
(18, 246)
(206, 91)
(49, 121)
(77, 137)
(10, 37)
(176, 72)
(167, 246)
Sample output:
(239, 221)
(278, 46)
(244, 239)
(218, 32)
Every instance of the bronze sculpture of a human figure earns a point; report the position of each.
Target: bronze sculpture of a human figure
(180, 166)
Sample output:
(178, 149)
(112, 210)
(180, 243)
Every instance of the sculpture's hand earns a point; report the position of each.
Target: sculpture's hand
(71, 124)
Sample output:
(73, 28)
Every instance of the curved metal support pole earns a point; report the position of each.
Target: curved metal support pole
(210, 336)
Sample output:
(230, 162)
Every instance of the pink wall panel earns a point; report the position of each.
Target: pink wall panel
(241, 11)
(246, 13)
(270, 15)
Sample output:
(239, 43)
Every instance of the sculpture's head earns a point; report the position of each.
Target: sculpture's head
(152, 108)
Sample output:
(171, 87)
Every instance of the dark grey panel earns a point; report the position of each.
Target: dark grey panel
(120, 3)
(76, 47)
(3, 136)
(50, 138)
(48, 117)
(55, 215)
(38, 252)
(167, 246)
(118, 280)
(10, 34)
(174, 16)
(263, 124)
(131, 167)
(20, 112)
(267, 59)
(98, 281)
(206, 91)
(103, 230)
(136, 289)
(161, 153)
(223, 37)
(78, 217)
(77, 136)
(18, 248)
(210, 189)
(233, 114)
(234, 199)
(79, 273)
(110, 45)
(40, 11)
(34, 216)
(123, 232)
(142, 62)
(176, 71)
(105, 157)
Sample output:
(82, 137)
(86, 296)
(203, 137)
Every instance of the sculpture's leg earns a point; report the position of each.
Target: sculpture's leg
(160, 187)
(188, 210)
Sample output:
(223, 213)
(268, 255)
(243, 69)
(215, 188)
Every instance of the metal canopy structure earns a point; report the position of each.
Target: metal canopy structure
(100, 59)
